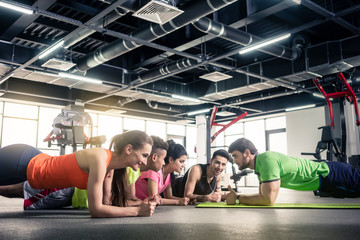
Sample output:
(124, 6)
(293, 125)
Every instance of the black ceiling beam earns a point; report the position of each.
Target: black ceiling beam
(330, 15)
(56, 16)
(238, 24)
(25, 20)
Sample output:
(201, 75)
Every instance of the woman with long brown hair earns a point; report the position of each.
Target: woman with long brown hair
(85, 169)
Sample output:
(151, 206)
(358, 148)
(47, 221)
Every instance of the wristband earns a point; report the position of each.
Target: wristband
(238, 199)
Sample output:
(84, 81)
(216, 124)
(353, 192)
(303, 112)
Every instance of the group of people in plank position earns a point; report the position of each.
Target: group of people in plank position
(135, 175)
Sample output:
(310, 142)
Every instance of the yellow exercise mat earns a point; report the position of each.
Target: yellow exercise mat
(283, 205)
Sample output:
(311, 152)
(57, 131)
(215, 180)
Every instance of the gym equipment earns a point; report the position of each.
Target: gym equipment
(68, 129)
(284, 205)
(348, 93)
(337, 148)
(328, 142)
(224, 126)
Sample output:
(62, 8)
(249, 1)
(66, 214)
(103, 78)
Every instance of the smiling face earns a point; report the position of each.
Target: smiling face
(139, 157)
(241, 159)
(218, 164)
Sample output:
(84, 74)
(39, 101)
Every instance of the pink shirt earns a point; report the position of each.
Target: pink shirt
(141, 184)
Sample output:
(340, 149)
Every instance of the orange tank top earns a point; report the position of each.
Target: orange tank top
(63, 171)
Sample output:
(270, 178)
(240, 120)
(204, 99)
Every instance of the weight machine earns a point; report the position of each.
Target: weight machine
(68, 130)
(347, 147)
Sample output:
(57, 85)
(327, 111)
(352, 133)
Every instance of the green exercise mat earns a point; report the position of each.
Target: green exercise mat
(282, 205)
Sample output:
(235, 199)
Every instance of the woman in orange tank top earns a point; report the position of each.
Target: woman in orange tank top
(85, 169)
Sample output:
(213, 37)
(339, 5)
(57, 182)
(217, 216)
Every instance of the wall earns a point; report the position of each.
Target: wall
(302, 131)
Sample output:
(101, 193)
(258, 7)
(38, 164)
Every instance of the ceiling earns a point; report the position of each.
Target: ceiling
(141, 64)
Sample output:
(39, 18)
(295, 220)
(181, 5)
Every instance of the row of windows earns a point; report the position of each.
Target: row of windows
(30, 124)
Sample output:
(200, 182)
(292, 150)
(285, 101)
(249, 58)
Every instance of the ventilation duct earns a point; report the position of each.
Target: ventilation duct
(166, 69)
(243, 38)
(111, 17)
(197, 9)
(161, 107)
(158, 12)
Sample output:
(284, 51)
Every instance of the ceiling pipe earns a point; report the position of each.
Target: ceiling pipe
(166, 69)
(223, 31)
(197, 9)
(111, 17)
(156, 106)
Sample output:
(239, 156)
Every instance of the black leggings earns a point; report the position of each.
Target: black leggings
(14, 160)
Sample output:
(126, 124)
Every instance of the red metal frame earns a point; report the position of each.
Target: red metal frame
(224, 126)
(348, 94)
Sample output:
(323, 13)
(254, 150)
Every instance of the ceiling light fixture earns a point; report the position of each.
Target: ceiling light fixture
(190, 99)
(81, 78)
(16, 8)
(51, 49)
(263, 43)
(198, 112)
(300, 107)
(297, 1)
(318, 95)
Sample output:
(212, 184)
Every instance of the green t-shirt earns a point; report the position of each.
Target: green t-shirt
(132, 175)
(295, 173)
(80, 200)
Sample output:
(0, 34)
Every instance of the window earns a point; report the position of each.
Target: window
(156, 129)
(276, 134)
(255, 132)
(175, 129)
(109, 126)
(20, 111)
(19, 131)
(275, 123)
(276, 141)
(134, 124)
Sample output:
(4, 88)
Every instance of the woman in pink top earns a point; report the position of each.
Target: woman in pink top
(152, 182)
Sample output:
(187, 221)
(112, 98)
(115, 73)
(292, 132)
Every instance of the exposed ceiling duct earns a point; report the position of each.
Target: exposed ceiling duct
(144, 80)
(111, 17)
(243, 38)
(197, 9)
(166, 69)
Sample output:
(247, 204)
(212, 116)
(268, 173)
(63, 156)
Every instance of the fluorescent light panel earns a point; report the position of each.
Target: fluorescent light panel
(81, 78)
(297, 1)
(300, 107)
(264, 43)
(51, 49)
(198, 112)
(16, 8)
(318, 95)
(190, 99)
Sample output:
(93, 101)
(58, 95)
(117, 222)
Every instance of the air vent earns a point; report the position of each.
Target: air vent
(215, 76)
(157, 12)
(58, 64)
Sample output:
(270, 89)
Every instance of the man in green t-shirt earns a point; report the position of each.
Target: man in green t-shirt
(277, 170)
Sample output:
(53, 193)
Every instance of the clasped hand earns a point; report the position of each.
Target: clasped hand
(231, 197)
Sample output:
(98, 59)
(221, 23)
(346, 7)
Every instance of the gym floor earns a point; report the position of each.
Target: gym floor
(176, 222)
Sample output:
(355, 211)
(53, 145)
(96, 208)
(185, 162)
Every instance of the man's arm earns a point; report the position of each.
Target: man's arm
(266, 197)
(193, 178)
